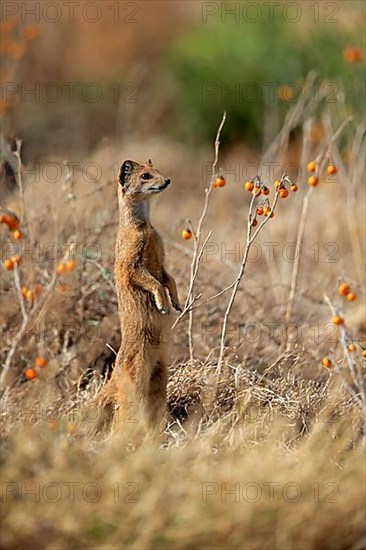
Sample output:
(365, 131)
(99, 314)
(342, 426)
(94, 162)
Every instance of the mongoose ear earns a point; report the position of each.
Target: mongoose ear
(149, 163)
(126, 170)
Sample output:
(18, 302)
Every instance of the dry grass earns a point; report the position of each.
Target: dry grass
(273, 418)
(290, 492)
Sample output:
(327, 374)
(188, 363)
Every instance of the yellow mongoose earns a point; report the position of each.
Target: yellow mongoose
(139, 379)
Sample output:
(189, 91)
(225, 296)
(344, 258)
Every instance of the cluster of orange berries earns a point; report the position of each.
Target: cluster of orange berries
(262, 211)
(31, 372)
(10, 263)
(312, 169)
(30, 294)
(13, 225)
(15, 37)
(66, 267)
(280, 185)
(344, 289)
(256, 187)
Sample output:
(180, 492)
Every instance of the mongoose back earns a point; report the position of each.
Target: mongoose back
(139, 379)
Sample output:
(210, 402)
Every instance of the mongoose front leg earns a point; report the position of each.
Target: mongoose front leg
(169, 282)
(142, 278)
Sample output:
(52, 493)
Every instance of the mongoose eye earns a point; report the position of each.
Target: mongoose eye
(146, 176)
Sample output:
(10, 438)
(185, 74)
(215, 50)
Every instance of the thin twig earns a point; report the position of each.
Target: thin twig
(250, 239)
(105, 275)
(111, 348)
(19, 292)
(17, 153)
(19, 179)
(197, 250)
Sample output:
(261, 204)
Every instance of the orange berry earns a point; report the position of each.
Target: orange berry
(186, 234)
(30, 373)
(313, 181)
(30, 32)
(294, 188)
(249, 185)
(311, 167)
(37, 290)
(62, 289)
(11, 222)
(351, 297)
(260, 211)
(363, 353)
(266, 191)
(283, 193)
(351, 348)
(219, 182)
(331, 169)
(29, 295)
(254, 223)
(61, 268)
(70, 266)
(337, 320)
(71, 427)
(41, 362)
(24, 291)
(344, 289)
(8, 264)
(353, 54)
(326, 362)
(17, 260)
(257, 191)
(17, 235)
(266, 210)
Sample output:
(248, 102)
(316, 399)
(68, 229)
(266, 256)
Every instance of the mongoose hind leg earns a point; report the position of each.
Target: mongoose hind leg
(156, 401)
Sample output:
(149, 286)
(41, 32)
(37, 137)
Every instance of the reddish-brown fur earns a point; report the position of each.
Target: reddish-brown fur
(139, 379)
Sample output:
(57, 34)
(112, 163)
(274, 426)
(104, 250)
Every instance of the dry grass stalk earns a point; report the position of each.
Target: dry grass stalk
(321, 159)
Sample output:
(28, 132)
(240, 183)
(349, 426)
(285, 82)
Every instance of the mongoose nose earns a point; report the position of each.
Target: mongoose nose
(167, 181)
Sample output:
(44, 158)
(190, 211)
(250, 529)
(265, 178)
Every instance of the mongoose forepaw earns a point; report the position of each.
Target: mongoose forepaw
(164, 309)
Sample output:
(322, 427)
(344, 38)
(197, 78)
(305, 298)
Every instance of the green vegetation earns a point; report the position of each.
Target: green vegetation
(236, 67)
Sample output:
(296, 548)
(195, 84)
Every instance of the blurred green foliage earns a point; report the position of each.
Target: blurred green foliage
(240, 67)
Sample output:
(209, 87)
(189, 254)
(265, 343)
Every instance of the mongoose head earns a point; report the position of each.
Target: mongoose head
(140, 180)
